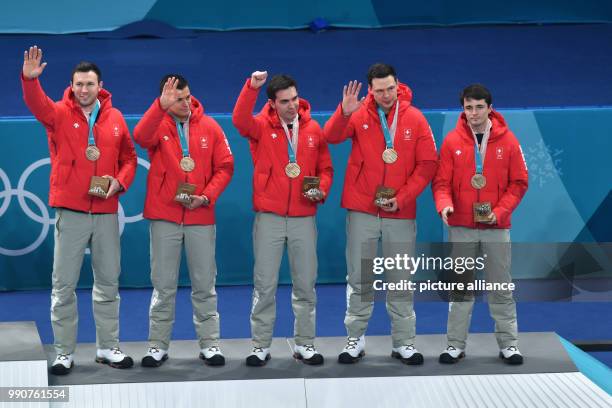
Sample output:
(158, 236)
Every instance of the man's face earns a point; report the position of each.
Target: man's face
(182, 107)
(86, 87)
(384, 91)
(476, 111)
(286, 104)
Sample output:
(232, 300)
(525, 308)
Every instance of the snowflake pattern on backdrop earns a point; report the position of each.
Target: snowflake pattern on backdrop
(543, 162)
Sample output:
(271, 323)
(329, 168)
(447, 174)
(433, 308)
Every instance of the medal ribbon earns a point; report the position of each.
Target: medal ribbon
(183, 137)
(91, 122)
(479, 153)
(292, 138)
(389, 135)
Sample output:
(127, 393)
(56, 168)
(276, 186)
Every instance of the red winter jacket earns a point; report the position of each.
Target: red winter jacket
(68, 134)
(504, 168)
(208, 147)
(273, 190)
(409, 175)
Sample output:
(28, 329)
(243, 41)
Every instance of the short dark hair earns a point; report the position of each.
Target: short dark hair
(476, 92)
(86, 66)
(380, 70)
(182, 82)
(278, 83)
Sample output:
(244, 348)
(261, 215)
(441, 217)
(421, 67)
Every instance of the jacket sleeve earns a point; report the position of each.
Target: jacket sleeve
(338, 128)
(442, 186)
(425, 169)
(147, 128)
(325, 169)
(41, 106)
(223, 165)
(242, 117)
(128, 161)
(517, 185)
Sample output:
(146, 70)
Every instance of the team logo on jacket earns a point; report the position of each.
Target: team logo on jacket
(273, 135)
(116, 130)
(500, 153)
(204, 142)
(408, 134)
(311, 142)
(166, 138)
(457, 152)
(365, 126)
(76, 125)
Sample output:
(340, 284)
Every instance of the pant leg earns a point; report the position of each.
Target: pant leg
(465, 243)
(72, 234)
(302, 251)
(166, 244)
(496, 244)
(269, 235)
(200, 251)
(398, 237)
(106, 265)
(362, 234)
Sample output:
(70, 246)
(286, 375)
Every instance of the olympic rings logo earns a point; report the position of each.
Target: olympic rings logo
(44, 218)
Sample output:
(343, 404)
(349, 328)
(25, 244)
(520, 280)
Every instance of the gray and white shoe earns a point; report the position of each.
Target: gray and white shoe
(451, 355)
(259, 357)
(511, 355)
(212, 356)
(114, 357)
(353, 351)
(62, 365)
(307, 354)
(407, 354)
(155, 357)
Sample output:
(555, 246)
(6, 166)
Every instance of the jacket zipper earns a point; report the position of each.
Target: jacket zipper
(183, 216)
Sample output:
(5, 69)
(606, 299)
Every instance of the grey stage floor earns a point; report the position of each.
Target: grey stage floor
(543, 354)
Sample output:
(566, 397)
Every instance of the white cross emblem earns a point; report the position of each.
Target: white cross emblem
(76, 125)
(273, 135)
(365, 126)
(458, 152)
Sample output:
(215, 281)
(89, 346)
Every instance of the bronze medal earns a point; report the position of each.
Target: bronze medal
(389, 156)
(92, 153)
(478, 181)
(292, 170)
(187, 164)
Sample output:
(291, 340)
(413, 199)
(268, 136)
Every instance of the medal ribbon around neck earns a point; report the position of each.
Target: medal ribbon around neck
(92, 121)
(182, 137)
(389, 135)
(292, 141)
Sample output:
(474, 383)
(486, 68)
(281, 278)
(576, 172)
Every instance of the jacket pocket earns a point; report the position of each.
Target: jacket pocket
(262, 178)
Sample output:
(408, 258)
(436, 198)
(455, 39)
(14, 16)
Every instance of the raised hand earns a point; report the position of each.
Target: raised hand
(258, 78)
(350, 97)
(169, 94)
(32, 68)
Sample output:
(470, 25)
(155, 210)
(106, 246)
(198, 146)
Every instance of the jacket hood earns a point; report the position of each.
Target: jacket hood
(404, 94)
(271, 116)
(103, 96)
(498, 130)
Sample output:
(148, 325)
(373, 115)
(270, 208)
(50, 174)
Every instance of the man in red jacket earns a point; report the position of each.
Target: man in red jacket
(392, 160)
(191, 164)
(481, 180)
(91, 152)
(287, 147)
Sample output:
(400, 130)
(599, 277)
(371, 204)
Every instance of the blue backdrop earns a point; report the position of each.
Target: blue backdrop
(72, 16)
(568, 200)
